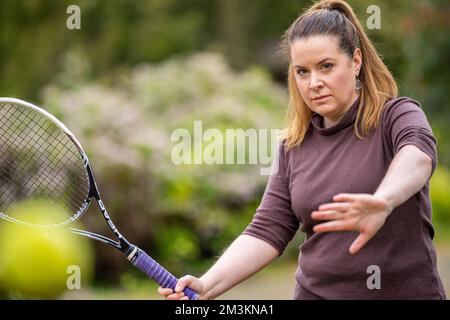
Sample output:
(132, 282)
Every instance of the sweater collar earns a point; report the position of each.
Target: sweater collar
(347, 120)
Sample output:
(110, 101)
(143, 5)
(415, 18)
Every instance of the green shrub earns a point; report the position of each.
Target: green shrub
(440, 196)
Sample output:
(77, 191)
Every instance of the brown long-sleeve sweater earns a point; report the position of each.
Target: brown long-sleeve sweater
(331, 161)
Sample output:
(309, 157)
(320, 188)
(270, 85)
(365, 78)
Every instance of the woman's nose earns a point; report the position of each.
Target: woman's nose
(315, 81)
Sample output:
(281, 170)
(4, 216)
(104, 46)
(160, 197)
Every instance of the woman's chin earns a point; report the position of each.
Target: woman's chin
(324, 108)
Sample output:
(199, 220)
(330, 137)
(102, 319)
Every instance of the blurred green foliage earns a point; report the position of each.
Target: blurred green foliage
(135, 72)
(35, 42)
(440, 196)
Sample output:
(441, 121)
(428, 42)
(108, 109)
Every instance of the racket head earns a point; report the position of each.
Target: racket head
(43, 169)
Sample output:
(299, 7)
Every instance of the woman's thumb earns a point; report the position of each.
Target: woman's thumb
(187, 281)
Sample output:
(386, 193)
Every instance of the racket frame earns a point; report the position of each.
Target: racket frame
(136, 256)
(122, 243)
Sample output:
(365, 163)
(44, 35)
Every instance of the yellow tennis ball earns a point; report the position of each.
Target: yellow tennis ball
(42, 262)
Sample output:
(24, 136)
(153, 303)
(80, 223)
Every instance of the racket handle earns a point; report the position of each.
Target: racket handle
(158, 273)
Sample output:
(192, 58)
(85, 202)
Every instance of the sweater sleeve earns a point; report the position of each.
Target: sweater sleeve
(274, 220)
(407, 124)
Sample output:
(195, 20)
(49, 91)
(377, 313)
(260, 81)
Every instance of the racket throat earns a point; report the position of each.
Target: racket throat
(132, 255)
(123, 245)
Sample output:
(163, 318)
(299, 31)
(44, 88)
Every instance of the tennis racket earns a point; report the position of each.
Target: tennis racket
(41, 160)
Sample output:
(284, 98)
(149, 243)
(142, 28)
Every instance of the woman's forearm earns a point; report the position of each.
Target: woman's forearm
(243, 258)
(409, 171)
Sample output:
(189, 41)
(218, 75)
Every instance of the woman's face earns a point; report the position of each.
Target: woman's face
(323, 70)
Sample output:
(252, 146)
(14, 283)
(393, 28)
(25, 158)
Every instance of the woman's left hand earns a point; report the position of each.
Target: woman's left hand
(365, 213)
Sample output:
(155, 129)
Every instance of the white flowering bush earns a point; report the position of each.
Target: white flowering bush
(183, 212)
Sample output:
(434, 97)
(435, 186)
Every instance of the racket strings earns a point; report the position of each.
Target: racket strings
(46, 177)
(38, 161)
(59, 146)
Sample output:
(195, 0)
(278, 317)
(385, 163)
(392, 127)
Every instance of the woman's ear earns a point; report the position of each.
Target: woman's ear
(357, 60)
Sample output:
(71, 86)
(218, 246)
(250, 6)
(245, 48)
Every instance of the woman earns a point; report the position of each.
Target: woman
(354, 170)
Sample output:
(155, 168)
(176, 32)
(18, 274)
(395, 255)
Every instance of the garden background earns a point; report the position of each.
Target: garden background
(137, 70)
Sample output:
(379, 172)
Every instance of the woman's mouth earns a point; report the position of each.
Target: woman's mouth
(321, 98)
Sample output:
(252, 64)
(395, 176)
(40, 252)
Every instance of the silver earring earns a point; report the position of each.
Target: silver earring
(358, 84)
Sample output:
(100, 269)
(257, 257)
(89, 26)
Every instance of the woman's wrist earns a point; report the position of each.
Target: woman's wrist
(209, 285)
(390, 202)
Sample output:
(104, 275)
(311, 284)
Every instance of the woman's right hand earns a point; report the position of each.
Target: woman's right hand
(187, 281)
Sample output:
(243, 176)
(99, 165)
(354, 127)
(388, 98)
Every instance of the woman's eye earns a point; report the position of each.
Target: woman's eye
(301, 72)
(327, 66)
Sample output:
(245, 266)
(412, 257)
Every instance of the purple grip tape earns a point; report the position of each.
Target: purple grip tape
(156, 272)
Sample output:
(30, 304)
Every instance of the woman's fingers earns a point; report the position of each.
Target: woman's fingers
(169, 294)
(164, 291)
(337, 206)
(327, 215)
(364, 213)
(176, 296)
(188, 281)
(335, 225)
(360, 242)
(345, 197)
(185, 282)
